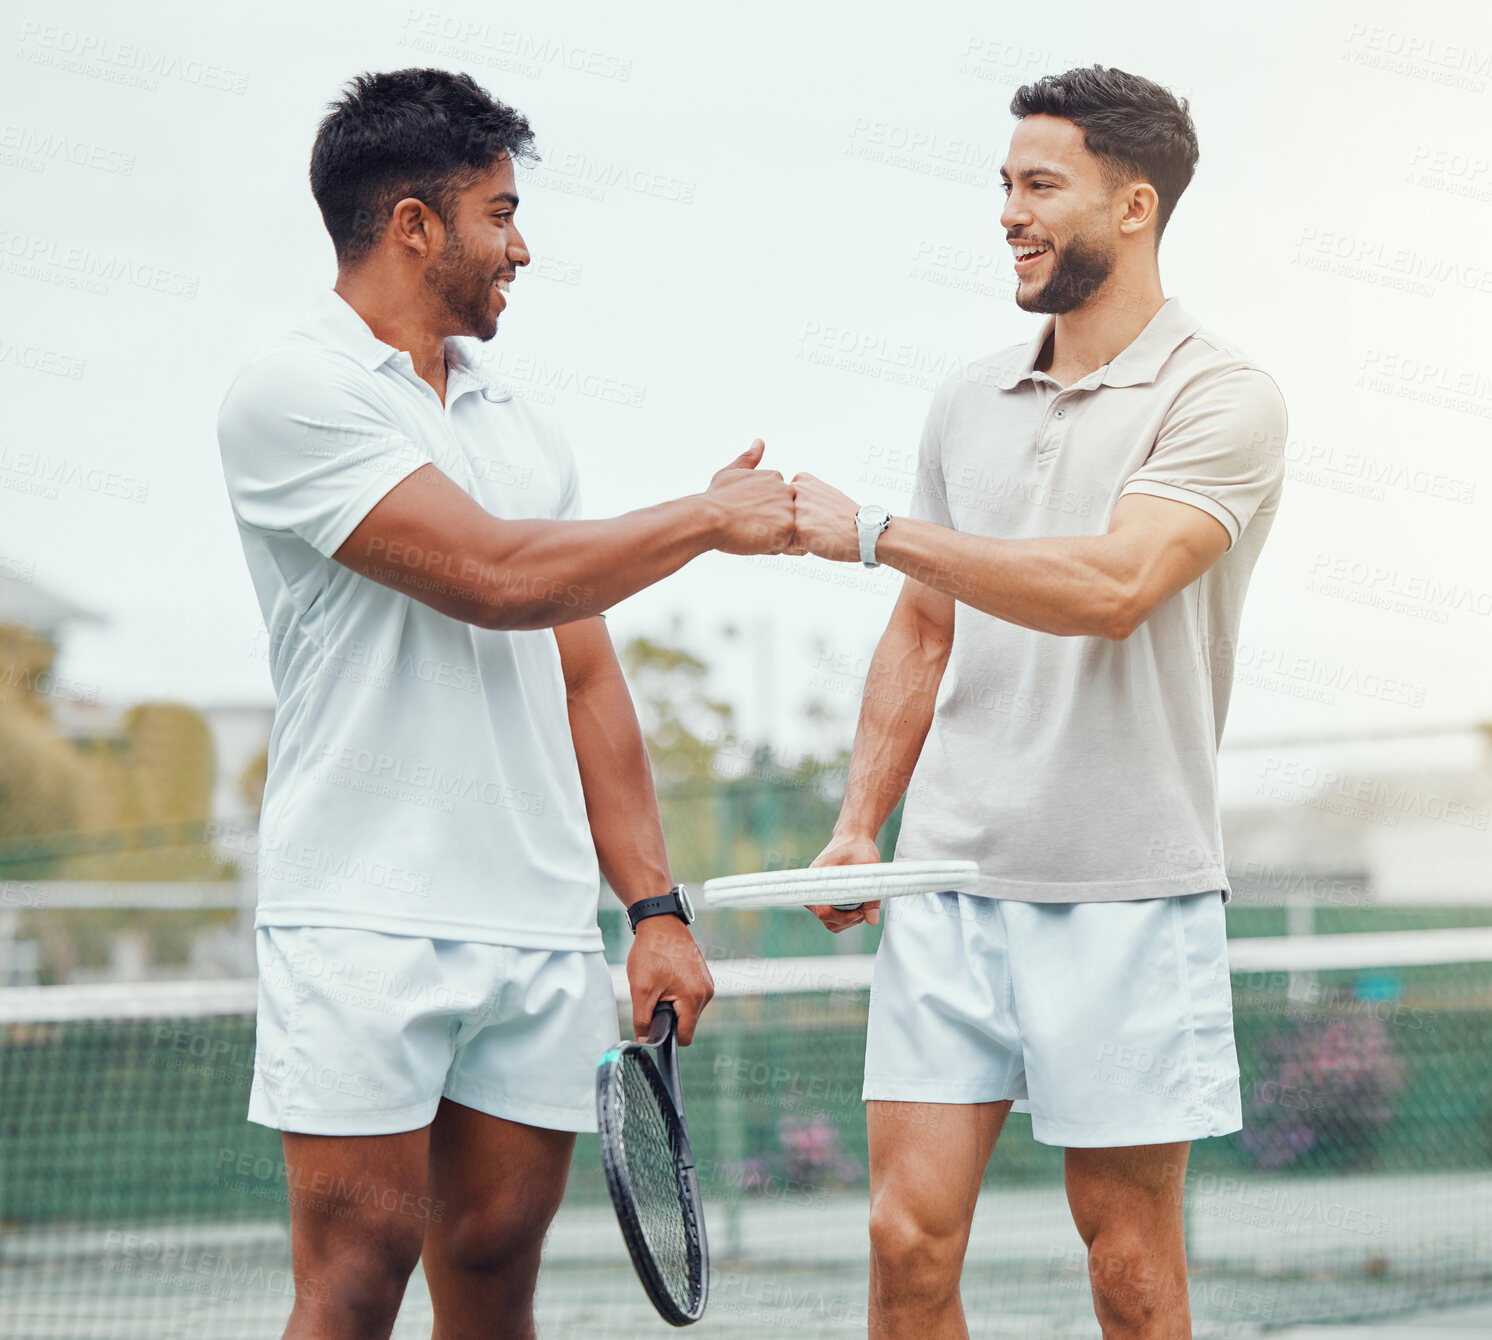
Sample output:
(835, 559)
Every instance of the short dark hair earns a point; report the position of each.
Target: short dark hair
(423, 133)
(1134, 126)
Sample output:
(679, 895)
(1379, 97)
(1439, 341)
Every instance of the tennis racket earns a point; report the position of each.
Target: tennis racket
(845, 887)
(650, 1169)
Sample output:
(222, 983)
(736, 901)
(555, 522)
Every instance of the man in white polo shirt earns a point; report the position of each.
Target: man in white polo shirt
(455, 758)
(1050, 694)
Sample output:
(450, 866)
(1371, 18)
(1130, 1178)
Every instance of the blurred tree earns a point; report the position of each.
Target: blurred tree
(251, 780)
(42, 779)
(129, 803)
(684, 728)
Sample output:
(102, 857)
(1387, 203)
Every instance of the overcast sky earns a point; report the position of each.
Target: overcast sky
(728, 191)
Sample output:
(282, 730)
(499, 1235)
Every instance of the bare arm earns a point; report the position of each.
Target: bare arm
(430, 539)
(664, 962)
(1085, 585)
(896, 711)
(1096, 586)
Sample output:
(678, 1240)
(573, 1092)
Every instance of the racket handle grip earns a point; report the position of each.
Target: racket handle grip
(665, 1021)
(847, 907)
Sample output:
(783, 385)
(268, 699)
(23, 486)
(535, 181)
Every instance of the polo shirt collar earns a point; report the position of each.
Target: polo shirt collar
(335, 321)
(1135, 365)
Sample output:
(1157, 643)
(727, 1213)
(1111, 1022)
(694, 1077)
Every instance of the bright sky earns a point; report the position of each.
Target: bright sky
(727, 191)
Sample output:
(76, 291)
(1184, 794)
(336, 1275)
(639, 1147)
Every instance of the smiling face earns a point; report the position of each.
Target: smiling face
(469, 276)
(1061, 216)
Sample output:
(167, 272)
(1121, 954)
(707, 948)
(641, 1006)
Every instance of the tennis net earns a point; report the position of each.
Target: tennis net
(136, 1201)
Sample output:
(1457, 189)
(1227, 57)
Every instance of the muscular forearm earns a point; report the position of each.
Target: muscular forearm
(1070, 586)
(618, 783)
(895, 713)
(538, 574)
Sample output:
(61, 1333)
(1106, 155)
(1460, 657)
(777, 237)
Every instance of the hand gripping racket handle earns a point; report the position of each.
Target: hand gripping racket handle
(665, 1022)
(663, 1034)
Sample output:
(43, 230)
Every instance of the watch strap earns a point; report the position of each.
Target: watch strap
(664, 905)
(869, 534)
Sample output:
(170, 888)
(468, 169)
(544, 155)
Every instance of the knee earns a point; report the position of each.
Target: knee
(494, 1239)
(1130, 1284)
(360, 1275)
(913, 1258)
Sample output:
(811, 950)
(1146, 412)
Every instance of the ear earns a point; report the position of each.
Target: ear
(413, 224)
(1140, 205)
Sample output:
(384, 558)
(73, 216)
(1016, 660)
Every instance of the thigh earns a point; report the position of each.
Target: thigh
(927, 1161)
(1135, 1191)
(496, 1185)
(356, 1201)
(501, 1179)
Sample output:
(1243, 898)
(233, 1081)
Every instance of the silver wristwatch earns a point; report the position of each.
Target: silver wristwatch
(870, 521)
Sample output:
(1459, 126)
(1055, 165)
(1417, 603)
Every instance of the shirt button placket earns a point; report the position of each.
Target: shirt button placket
(1051, 437)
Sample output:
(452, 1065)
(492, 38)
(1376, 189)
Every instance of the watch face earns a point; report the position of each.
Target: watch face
(686, 903)
(873, 514)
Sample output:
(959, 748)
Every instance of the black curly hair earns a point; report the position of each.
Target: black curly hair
(1137, 129)
(423, 133)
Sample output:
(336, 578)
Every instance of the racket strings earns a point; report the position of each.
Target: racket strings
(665, 1209)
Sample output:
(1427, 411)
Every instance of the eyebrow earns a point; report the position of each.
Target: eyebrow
(503, 197)
(1040, 170)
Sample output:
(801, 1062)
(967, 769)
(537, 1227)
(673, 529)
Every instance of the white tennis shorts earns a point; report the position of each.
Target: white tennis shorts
(1110, 1023)
(362, 1033)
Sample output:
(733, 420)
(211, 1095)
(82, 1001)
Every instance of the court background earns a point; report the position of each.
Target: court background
(779, 221)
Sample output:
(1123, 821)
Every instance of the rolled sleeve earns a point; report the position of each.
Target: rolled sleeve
(1221, 448)
(307, 448)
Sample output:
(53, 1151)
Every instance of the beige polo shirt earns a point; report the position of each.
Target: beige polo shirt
(1081, 769)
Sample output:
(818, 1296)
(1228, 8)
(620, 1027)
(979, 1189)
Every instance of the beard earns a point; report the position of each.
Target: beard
(462, 289)
(1079, 270)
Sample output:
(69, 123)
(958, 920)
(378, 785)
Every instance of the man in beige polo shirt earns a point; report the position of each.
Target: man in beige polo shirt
(1050, 694)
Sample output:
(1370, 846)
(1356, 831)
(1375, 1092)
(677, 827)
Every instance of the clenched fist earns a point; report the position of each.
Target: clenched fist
(825, 523)
(754, 507)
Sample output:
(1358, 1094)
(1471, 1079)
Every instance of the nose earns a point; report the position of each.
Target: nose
(1014, 215)
(517, 247)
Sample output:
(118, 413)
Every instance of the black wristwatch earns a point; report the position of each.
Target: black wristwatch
(673, 903)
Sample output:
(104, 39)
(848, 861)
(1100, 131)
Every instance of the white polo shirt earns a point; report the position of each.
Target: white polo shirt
(1081, 769)
(422, 779)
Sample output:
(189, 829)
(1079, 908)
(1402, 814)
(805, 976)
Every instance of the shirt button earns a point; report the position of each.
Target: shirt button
(1061, 412)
